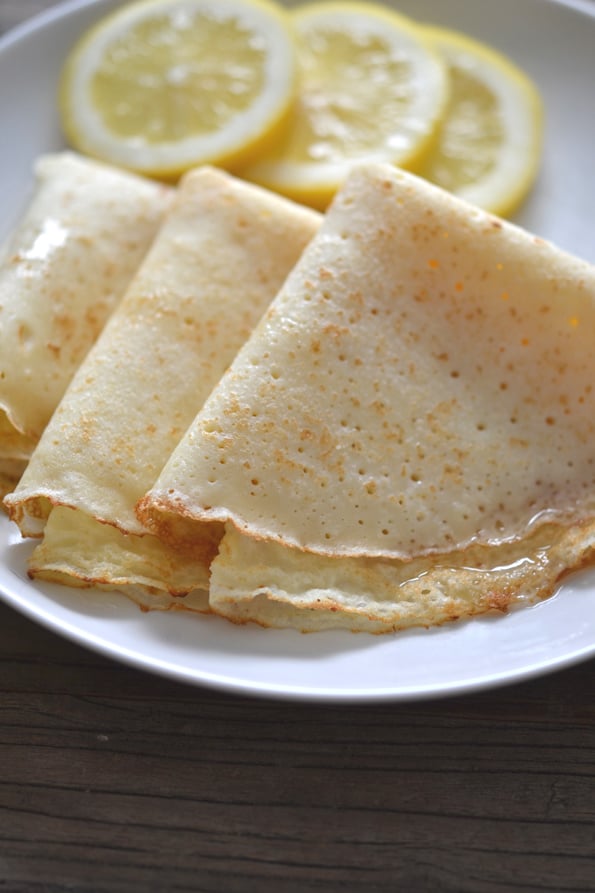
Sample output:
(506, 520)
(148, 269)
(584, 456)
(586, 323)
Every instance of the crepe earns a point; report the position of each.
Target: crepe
(217, 262)
(86, 229)
(417, 405)
(281, 587)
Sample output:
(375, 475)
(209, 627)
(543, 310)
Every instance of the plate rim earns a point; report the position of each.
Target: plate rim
(66, 7)
(232, 684)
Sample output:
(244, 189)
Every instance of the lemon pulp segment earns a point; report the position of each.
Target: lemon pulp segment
(193, 92)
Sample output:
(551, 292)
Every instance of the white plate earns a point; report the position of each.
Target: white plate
(554, 43)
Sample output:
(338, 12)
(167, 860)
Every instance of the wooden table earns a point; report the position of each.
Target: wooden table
(113, 780)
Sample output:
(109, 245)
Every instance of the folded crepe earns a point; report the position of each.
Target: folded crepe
(408, 435)
(62, 272)
(216, 264)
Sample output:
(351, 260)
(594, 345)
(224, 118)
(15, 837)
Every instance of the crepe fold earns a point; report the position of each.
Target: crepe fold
(215, 265)
(85, 231)
(407, 437)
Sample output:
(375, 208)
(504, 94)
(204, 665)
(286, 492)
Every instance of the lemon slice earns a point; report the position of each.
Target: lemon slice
(162, 85)
(489, 145)
(370, 87)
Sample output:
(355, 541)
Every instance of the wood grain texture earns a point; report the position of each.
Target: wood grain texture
(115, 781)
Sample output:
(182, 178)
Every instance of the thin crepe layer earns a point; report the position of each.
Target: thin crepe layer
(423, 382)
(68, 263)
(79, 551)
(275, 586)
(217, 262)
